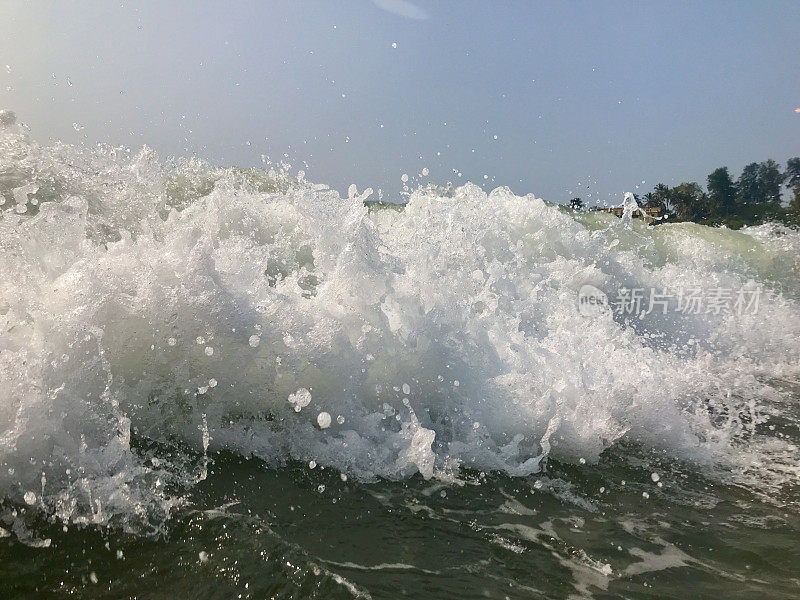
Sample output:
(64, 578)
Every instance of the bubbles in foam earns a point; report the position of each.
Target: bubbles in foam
(300, 399)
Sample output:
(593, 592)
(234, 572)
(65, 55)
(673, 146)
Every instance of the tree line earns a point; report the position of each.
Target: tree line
(755, 197)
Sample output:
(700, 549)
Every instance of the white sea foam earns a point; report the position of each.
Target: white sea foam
(443, 335)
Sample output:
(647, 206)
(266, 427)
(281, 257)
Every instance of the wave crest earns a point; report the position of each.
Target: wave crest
(180, 303)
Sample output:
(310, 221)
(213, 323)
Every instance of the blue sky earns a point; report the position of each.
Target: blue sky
(585, 98)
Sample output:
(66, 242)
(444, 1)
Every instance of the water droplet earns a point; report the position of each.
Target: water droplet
(30, 498)
(254, 341)
(324, 420)
(301, 398)
(209, 351)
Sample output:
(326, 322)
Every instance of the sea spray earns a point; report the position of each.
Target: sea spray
(469, 299)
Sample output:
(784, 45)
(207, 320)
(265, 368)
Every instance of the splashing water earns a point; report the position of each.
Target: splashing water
(127, 260)
(445, 336)
(629, 207)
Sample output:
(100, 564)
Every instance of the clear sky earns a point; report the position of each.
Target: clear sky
(585, 98)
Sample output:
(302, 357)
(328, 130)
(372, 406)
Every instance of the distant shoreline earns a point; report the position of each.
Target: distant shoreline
(755, 198)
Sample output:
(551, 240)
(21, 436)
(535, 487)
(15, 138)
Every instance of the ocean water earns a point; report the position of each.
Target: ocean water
(236, 383)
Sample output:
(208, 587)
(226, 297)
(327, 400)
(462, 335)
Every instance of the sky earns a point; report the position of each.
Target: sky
(558, 99)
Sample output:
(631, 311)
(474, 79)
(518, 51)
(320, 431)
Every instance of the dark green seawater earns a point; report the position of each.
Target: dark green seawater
(252, 531)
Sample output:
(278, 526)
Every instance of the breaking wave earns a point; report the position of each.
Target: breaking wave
(149, 304)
